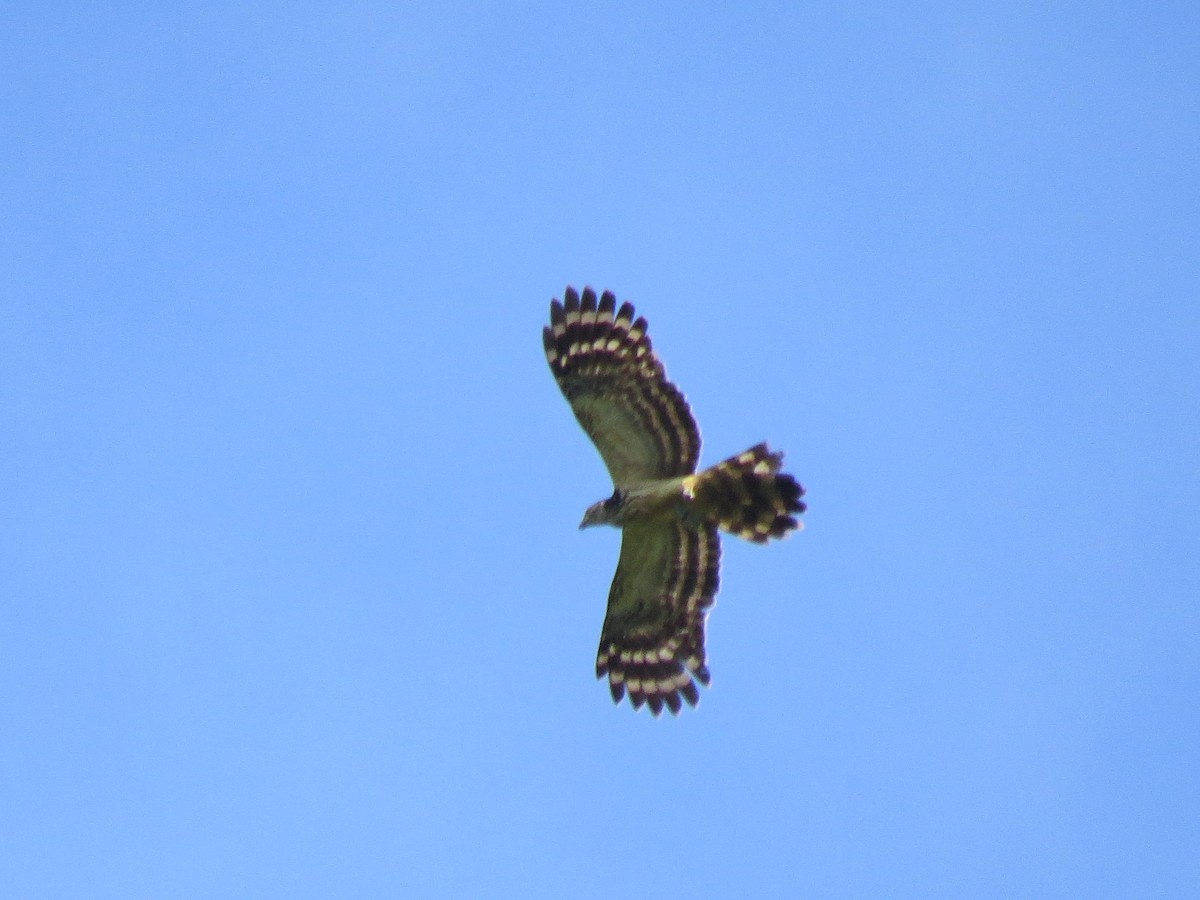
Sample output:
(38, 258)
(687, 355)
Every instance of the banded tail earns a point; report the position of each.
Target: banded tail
(748, 496)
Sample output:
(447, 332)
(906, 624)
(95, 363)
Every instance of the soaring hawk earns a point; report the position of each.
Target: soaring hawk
(652, 644)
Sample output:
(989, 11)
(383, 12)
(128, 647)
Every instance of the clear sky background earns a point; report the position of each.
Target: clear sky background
(293, 601)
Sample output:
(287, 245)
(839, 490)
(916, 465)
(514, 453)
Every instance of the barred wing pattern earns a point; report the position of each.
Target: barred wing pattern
(652, 644)
(618, 389)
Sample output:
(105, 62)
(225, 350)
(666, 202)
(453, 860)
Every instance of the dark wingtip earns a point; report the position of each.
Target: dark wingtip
(617, 689)
(690, 693)
(644, 340)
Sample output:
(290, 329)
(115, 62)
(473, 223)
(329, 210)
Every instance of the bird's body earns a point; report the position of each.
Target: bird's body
(648, 500)
(652, 644)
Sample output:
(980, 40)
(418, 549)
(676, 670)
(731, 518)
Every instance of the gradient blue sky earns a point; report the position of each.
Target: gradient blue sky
(293, 603)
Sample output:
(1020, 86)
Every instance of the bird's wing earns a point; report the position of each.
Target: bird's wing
(652, 645)
(617, 387)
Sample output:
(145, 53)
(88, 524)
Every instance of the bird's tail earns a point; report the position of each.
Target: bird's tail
(748, 496)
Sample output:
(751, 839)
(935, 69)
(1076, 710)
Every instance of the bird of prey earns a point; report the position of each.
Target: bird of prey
(652, 643)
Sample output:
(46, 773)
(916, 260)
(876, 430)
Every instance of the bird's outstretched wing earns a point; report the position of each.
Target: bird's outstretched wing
(617, 387)
(652, 645)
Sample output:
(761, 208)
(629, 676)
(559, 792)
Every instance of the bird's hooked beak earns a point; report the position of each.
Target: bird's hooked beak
(593, 516)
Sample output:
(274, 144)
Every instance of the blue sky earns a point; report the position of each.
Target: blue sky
(293, 601)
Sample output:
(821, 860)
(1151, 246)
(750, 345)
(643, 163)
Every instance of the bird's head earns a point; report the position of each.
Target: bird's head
(602, 513)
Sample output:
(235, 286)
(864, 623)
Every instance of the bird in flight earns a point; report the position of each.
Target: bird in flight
(652, 642)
